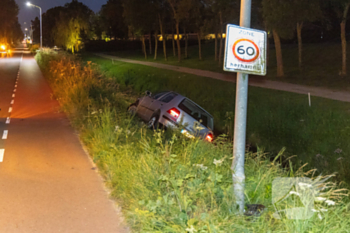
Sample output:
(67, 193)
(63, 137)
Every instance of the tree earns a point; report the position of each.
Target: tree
(197, 17)
(162, 9)
(16, 32)
(50, 19)
(67, 33)
(180, 10)
(81, 15)
(211, 25)
(112, 20)
(225, 11)
(96, 25)
(72, 26)
(8, 19)
(141, 22)
(278, 17)
(36, 30)
(304, 11)
(341, 7)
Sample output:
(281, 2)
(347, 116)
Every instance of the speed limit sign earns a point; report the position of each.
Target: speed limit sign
(245, 50)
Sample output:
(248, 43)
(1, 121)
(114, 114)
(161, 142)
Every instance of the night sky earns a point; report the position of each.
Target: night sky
(26, 14)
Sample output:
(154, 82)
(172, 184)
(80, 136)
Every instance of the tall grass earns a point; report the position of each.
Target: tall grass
(276, 119)
(164, 181)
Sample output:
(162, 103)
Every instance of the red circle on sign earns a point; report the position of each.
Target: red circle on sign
(241, 59)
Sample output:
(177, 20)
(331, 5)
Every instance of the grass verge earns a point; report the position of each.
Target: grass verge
(168, 183)
(276, 119)
(321, 63)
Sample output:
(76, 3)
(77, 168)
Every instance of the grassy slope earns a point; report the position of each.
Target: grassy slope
(275, 119)
(322, 63)
(166, 182)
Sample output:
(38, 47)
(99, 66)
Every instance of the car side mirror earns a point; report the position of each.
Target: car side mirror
(148, 93)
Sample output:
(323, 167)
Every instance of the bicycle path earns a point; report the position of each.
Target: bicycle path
(253, 81)
(47, 181)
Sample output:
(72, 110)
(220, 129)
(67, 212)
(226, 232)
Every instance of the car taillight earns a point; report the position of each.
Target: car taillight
(174, 112)
(209, 137)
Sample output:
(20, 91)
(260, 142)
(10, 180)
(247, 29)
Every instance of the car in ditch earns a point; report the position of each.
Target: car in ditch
(170, 109)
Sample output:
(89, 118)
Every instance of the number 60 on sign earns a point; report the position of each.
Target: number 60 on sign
(245, 50)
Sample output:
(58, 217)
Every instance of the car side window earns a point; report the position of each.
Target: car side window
(167, 98)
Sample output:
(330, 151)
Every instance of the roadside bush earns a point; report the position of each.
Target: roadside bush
(33, 48)
(166, 182)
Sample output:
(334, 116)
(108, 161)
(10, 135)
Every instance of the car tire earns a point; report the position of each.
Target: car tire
(153, 122)
(132, 109)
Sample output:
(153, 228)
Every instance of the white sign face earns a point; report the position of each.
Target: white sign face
(245, 50)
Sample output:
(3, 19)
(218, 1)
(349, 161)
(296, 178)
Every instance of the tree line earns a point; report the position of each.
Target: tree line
(71, 25)
(10, 29)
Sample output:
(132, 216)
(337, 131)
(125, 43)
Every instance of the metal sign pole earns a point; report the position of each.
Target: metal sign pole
(240, 120)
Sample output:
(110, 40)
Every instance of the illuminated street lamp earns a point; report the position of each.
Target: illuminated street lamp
(41, 27)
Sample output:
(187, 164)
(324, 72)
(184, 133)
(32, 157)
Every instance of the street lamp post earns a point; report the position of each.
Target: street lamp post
(41, 24)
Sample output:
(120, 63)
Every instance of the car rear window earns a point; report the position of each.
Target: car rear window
(157, 95)
(167, 98)
(197, 113)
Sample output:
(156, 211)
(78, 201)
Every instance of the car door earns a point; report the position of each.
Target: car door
(144, 105)
(147, 103)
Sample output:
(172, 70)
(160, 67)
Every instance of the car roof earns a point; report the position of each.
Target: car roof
(179, 96)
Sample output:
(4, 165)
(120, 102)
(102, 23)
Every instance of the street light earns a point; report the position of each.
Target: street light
(41, 25)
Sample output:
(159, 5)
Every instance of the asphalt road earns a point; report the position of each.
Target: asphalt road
(47, 181)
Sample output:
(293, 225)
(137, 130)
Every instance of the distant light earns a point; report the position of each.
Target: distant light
(29, 4)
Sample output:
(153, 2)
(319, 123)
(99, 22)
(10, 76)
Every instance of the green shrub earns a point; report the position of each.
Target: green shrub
(33, 48)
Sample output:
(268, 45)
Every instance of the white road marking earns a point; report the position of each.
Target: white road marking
(13, 95)
(8, 120)
(12, 102)
(16, 85)
(4, 135)
(14, 90)
(2, 152)
(10, 109)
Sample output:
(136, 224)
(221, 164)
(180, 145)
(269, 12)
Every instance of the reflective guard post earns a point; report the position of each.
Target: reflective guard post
(245, 54)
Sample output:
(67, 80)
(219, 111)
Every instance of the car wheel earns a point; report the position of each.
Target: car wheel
(132, 109)
(153, 122)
